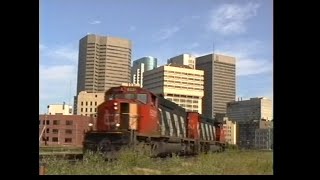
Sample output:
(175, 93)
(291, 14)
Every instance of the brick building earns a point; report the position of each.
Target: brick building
(63, 130)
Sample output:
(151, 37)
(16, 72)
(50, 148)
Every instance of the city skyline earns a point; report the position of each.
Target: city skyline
(162, 29)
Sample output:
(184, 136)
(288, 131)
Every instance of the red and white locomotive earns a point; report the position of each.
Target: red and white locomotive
(131, 115)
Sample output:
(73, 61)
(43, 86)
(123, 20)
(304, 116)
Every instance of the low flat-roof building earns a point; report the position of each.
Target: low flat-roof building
(63, 130)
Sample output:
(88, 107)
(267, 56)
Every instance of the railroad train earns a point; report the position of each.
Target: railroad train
(132, 115)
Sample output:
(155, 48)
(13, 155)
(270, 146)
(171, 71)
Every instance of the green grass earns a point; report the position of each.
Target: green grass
(57, 150)
(231, 162)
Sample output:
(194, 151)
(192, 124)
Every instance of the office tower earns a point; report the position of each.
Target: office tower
(219, 82)
(140, 66)
(248, 110)
(177, 83)
(104, 62)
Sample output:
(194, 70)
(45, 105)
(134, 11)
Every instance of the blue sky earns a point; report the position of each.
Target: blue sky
(159, 28)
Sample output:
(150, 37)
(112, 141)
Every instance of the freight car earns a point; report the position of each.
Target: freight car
(132, 115)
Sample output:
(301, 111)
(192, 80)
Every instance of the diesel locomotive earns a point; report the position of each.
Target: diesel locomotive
(131, 115)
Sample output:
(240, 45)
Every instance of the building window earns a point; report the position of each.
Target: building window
(90, 109)
(90, 103)
(81, 103)
(95, 109)
(47, 130)
(95, 103)
(55, 131)
(96, 95)
(81, 110)
(86, 103)
(55, 139)
(43, 122)
(86, 109)
(56, 122)
(68, 131)
(69, 122)
(68, 140)
(47, 122)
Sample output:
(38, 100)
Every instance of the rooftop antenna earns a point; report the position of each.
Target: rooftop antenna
(70, 92)
(213, 46)
(213, 49)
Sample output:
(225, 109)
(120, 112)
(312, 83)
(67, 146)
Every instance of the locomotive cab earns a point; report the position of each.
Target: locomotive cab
(121, 116)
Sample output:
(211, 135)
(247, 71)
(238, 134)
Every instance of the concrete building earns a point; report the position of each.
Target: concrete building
(180, 84)
(62, 130)
(231, 131)
(86, 103)
(59, 109)
(248, 130)
(252, 109)
(264, 138)
(140, 66)
(247, 133)
(183, 59)
(219, 82)
(104, 62)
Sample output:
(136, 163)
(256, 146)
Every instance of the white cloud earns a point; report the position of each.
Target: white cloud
(247, 66)
(58, 69)
(56, 73)
(195, 17)
(57, 84)
(246, 53)
(193, 45)
(42, 47)
(232, 18)
(132, 28)
(60, 53)
(188, 20)
(95, 22)
(166, 33)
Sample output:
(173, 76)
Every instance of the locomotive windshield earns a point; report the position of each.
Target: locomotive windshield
(140, 97)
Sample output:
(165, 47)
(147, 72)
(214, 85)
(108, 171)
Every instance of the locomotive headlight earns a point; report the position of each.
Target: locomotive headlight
(90, 124)
(115, 107)
(115, 103)
(117, 125)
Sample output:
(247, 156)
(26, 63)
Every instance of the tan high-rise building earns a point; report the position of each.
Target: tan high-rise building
(230, 129)
(182, 85)
(183, 59)
(104, 62)
(219, 82)
(86, 103)
(249, 110)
